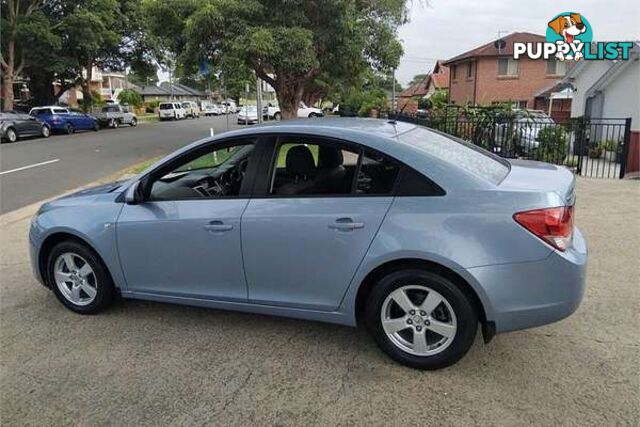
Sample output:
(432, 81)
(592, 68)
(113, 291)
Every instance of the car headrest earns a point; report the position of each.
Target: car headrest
(300, 161)
(330, 157)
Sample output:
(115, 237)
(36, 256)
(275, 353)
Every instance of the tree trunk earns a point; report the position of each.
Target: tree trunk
(87, 98)
(8, 75)
(289, 97)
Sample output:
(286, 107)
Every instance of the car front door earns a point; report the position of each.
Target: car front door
(184, 239)
(311, 221)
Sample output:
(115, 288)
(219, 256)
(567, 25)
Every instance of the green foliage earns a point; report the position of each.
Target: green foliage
(553, 144)
(363, 101)
(439, 99)
(131, 97)
(595, 152)
(610, 145)
(417, 79)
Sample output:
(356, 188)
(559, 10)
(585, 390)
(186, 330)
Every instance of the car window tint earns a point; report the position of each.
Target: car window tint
(312, 169)
(458, 153)
(213, 174)
(377, 174)
(60, 111)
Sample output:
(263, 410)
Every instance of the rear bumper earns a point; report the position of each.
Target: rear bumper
(529, 294)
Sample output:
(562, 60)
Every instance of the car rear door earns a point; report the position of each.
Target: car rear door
(184, 241)
(307, 228)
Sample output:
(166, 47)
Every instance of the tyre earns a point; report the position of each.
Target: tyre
(116, 123)
(11, 135)
(96, 126)
(312, 115)
(45, 131)
(79, 279)
(68, 128)
(421, 319)
(277, 116)
(134, 122)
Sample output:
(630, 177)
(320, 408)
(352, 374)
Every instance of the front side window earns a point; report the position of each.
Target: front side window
(214, 173)
(507, 67)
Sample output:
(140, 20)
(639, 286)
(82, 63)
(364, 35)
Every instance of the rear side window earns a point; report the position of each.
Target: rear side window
(377, 174)
(461, 154)
(60, 111)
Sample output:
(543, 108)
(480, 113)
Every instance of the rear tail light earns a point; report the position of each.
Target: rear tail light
(553, 225)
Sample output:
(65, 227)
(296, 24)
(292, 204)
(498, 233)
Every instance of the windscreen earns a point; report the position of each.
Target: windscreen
(461, 154)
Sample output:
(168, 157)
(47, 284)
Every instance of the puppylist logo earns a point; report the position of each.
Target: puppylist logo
(569, 37)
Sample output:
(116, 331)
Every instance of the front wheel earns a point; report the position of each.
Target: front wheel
(45, 131)
(421, 319)
(277, 116)
(11, 135)
(79, 279)
(134, 122)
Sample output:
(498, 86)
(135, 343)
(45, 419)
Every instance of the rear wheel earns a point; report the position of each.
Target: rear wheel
(134, 122)
(79, 279)
(11, 135)
(96, 126)
(421, 319)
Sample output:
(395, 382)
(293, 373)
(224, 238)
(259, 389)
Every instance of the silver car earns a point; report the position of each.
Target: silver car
(417, 236)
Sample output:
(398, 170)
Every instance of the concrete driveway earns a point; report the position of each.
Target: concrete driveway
(154, 364)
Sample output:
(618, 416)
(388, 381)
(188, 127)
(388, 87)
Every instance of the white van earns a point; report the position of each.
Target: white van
(171, 110)
(191, 109)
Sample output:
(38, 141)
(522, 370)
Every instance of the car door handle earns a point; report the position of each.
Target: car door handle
(218, 226)
(346, 224)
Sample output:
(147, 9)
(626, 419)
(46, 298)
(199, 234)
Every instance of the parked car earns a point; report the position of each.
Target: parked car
(171, 111)
(114, 115)
(520, 131)
(14, 126)
(63, 119)
(271, 111)
(212, 110)
(230, 107)
(248, 115)
(191, 109)
(303, 112)
(419, 236)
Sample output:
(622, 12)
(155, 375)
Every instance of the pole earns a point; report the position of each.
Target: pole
(246, 107)
(393, 92)
(224, 95)
(259, 98)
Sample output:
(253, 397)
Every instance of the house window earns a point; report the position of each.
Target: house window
(454, 71)
(507, 67)
(556, 68)
(469, 70)
(521, 105)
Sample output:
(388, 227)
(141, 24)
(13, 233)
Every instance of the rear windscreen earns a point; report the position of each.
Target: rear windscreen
(459, 153)
(166, 106)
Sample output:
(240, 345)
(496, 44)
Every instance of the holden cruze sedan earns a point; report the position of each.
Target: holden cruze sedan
(416, 235)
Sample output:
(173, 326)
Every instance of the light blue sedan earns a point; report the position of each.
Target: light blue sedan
(415, 235)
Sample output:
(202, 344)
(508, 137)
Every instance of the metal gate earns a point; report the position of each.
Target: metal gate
(592, 147)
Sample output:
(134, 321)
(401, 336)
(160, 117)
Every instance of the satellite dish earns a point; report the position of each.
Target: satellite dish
(500, 44)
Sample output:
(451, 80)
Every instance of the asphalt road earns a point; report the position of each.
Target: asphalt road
(143, 363)
(36, 169)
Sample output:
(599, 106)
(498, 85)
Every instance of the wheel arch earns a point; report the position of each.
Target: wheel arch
(367, 284)
(53, 239)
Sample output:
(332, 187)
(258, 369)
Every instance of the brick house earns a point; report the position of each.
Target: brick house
(437, 79)
(488, 74)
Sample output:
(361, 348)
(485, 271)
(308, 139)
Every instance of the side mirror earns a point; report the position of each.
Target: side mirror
(133, 195)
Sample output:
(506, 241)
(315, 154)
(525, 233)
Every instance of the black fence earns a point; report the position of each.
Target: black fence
(593, 147)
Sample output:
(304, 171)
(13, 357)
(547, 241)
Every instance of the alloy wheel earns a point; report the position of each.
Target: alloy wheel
(75, 279)
(418, 320)
(12, 136)
(46, 131)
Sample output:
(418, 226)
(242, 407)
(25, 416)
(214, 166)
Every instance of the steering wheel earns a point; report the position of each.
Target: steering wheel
(240, 170)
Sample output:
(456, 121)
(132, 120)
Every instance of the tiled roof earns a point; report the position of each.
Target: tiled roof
(489, 49)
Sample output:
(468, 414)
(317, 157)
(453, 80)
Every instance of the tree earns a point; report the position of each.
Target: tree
(293, 44)
(131, 97)
(15, 16)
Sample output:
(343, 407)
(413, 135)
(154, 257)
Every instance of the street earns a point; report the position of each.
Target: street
(35, 169)
(144, 363)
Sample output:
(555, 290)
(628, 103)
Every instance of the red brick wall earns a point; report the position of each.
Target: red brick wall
(531, 79)
(460, 87)
(632, 170)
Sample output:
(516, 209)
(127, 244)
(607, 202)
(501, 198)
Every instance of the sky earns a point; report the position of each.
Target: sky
(441, 29)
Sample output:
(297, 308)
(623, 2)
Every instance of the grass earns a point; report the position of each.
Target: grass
(136, 169)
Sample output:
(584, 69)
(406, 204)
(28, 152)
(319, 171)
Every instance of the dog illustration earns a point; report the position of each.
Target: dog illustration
(568, 26)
